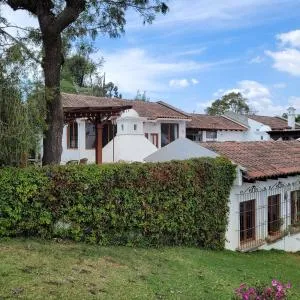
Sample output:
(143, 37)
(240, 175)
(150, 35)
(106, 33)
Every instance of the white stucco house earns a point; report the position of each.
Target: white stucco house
(235, 127)
(264, 203)
(127, 130)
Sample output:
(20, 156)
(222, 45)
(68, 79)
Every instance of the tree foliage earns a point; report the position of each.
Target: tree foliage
(21, 121)
(234, 102)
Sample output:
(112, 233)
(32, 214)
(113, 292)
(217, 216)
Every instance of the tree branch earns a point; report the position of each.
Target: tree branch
(70, 13)
(30, 5)
(29, 53)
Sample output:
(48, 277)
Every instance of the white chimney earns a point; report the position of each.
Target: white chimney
(291, 117)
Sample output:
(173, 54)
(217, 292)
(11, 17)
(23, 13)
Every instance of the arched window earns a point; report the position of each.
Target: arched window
(134, 127)
(72, 135)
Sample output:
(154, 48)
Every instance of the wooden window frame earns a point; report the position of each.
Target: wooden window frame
(176, 136)
(246, 228)
(93, 148)
(69, 146)
(274, 209)
(154, 139)
(295, 207)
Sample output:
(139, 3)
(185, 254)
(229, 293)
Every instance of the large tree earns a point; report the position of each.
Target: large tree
(71, 18)
(234, 102)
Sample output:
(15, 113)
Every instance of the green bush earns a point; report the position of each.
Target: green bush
(174, 203)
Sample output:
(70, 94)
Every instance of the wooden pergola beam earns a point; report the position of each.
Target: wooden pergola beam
(98, 116)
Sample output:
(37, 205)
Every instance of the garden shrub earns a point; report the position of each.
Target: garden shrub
(152, 204)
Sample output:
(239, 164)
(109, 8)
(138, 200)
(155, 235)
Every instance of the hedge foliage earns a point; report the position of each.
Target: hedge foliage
(174, 203)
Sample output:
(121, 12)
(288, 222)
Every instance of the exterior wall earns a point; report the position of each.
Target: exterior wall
(155, 127)
(81, 152)
(257, 131)
(260, 191)
(229, 135)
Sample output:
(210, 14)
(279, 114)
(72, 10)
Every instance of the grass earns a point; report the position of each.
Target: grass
(32, 269)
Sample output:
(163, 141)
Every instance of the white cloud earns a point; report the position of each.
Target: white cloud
(191, 52)
(134, 68)
(291, 38)
(256, 60)
(182, 83)
(179, 83)
(219, 14)
(287, 60)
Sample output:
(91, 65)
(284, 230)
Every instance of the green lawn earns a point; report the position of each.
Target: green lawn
(32, 269)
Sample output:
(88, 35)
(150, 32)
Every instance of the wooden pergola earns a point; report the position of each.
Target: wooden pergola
(98, 115)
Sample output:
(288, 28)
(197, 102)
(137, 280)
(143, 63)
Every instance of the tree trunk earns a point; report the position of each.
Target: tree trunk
(52, 143)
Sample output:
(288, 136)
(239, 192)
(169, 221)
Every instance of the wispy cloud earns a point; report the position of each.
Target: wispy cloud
(134, 68)
(256, 60)
(182, 83)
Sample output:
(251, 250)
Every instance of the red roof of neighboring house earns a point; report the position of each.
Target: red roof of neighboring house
(207, 122)
(276, 123)
(263, 159)
(150, 110)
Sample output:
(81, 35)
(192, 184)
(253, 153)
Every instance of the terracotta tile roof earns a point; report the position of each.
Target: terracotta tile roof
(150, 110)
(276, 123)
(84, 101)
(263, 159)
(207, 122)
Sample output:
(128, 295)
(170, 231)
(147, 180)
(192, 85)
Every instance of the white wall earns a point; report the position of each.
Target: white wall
(129, 148)
(230, 135)
(81, 152)
(257, 131)
(290, 242)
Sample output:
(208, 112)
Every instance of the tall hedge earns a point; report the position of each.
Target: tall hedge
(174, 203)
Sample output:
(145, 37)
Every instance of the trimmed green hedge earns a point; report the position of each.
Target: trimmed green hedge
(175, 203)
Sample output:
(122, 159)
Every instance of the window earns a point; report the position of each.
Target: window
(134, 127)
(295, 207)
(274, 220)
(146, 135)
(247, 221)
(154, 139)
(122, 127)
(169, 133)
(72, 135)
(211, 135)
(90, 135)
(196, 137)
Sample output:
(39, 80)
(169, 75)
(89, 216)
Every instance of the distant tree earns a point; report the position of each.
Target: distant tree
(77, 68)
(234, 102)
(142, 97)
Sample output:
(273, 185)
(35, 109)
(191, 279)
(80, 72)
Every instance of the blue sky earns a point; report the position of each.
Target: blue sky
(202, 49)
